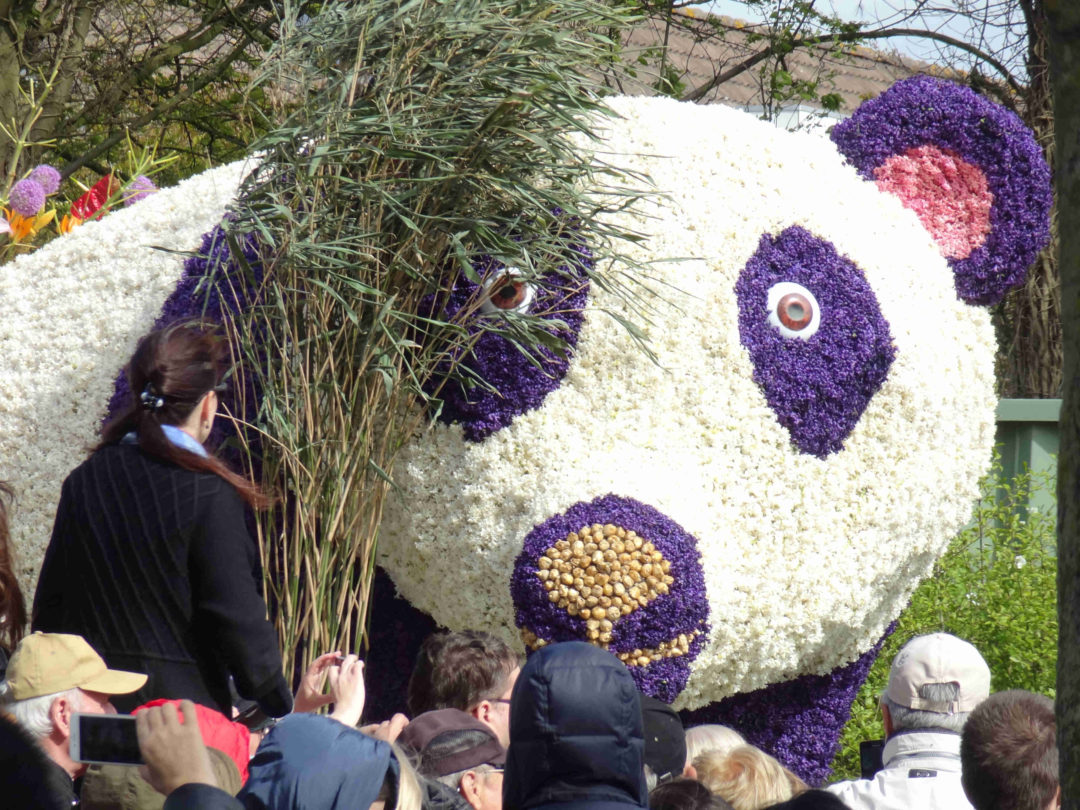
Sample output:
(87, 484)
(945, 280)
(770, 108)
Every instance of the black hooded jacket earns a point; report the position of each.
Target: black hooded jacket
(576, 738)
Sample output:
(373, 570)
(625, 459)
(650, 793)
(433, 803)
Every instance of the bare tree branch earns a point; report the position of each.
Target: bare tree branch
(1006, 74)
(197, 84)
(778, 46)
(208, 28)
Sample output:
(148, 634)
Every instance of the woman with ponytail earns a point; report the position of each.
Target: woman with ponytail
(150, 558)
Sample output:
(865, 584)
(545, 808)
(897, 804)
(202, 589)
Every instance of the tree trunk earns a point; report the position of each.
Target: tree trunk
(70, 49)
(10, 100)
(1030, 318)
(1064, 40)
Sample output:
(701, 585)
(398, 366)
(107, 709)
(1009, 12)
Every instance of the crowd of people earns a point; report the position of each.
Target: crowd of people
(565, 730)
(148, 602)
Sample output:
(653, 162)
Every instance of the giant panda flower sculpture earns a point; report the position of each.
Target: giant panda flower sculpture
(743, 514)
(760, 501)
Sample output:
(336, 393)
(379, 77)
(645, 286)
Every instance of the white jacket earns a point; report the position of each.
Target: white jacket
(922, 772)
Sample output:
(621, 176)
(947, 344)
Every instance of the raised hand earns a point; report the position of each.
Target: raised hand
(309, 696)
(175, 753)
(347, 689)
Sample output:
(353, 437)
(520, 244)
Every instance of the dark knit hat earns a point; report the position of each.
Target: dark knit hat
(449, 740)
(665, 739)
(812, 800)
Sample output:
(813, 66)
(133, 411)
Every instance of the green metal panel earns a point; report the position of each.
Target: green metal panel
(1027, 436)
(1028, 410)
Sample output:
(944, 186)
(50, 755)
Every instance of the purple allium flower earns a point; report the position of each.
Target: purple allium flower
(520, 385)
(818, 387)
(682, 610)
(925, 111)
(27, 197)
(139, 188)
(47, 177)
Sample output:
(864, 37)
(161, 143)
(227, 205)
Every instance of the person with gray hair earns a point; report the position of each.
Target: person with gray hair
(934, 684)
(50, 677)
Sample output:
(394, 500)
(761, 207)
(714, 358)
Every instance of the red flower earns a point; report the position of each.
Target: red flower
(91, 202)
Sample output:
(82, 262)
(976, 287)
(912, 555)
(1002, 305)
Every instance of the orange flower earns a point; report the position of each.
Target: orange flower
(21, 227)
(24, 227)
(68, 222)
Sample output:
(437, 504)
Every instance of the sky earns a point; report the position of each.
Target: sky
(1003, 35)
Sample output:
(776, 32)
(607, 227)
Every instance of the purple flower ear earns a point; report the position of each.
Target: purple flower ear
(969, 168)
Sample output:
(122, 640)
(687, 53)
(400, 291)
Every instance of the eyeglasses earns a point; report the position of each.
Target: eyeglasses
(500, 700)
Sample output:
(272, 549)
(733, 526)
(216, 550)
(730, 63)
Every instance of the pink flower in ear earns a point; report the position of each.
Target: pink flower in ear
(950, 196)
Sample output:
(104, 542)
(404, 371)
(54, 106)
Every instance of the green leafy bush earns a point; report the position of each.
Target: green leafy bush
(995, 587)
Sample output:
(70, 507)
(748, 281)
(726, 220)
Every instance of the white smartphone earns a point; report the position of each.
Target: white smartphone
(109, 739)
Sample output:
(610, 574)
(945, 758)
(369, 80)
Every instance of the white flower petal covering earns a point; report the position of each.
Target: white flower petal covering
(806, 560)
(72, 313)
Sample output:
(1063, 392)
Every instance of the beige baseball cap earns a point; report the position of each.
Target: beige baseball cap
(938, 658)
(46, 663)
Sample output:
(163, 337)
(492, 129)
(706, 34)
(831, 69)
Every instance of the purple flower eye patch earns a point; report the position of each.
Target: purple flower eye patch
(818, 342)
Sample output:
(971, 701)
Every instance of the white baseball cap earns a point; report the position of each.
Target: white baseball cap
(938, 658)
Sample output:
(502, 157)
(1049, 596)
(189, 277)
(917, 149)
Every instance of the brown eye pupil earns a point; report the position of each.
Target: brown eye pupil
(795, 311)
(508, 293)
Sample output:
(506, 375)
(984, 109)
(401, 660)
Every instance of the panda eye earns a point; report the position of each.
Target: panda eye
(506, 291)
(793, 310)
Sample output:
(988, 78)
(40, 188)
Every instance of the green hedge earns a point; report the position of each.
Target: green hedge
(995, 587)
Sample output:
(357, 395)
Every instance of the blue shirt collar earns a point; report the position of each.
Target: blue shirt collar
(178, 437)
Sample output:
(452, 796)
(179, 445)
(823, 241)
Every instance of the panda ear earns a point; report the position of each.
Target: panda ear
(969, 168)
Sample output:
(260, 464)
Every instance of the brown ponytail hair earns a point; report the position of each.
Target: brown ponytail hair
(12, 604)
(169, 374)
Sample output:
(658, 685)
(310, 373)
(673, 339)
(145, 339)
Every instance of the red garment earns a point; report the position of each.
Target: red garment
(231, 738)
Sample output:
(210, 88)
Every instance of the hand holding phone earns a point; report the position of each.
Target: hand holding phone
(309, 696)
(109, 739)
(347, 690)
(175, 753)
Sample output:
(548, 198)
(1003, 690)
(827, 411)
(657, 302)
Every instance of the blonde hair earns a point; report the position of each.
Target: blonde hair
(409, 794)
(797, 784)
(711, 737)
(745, 777)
